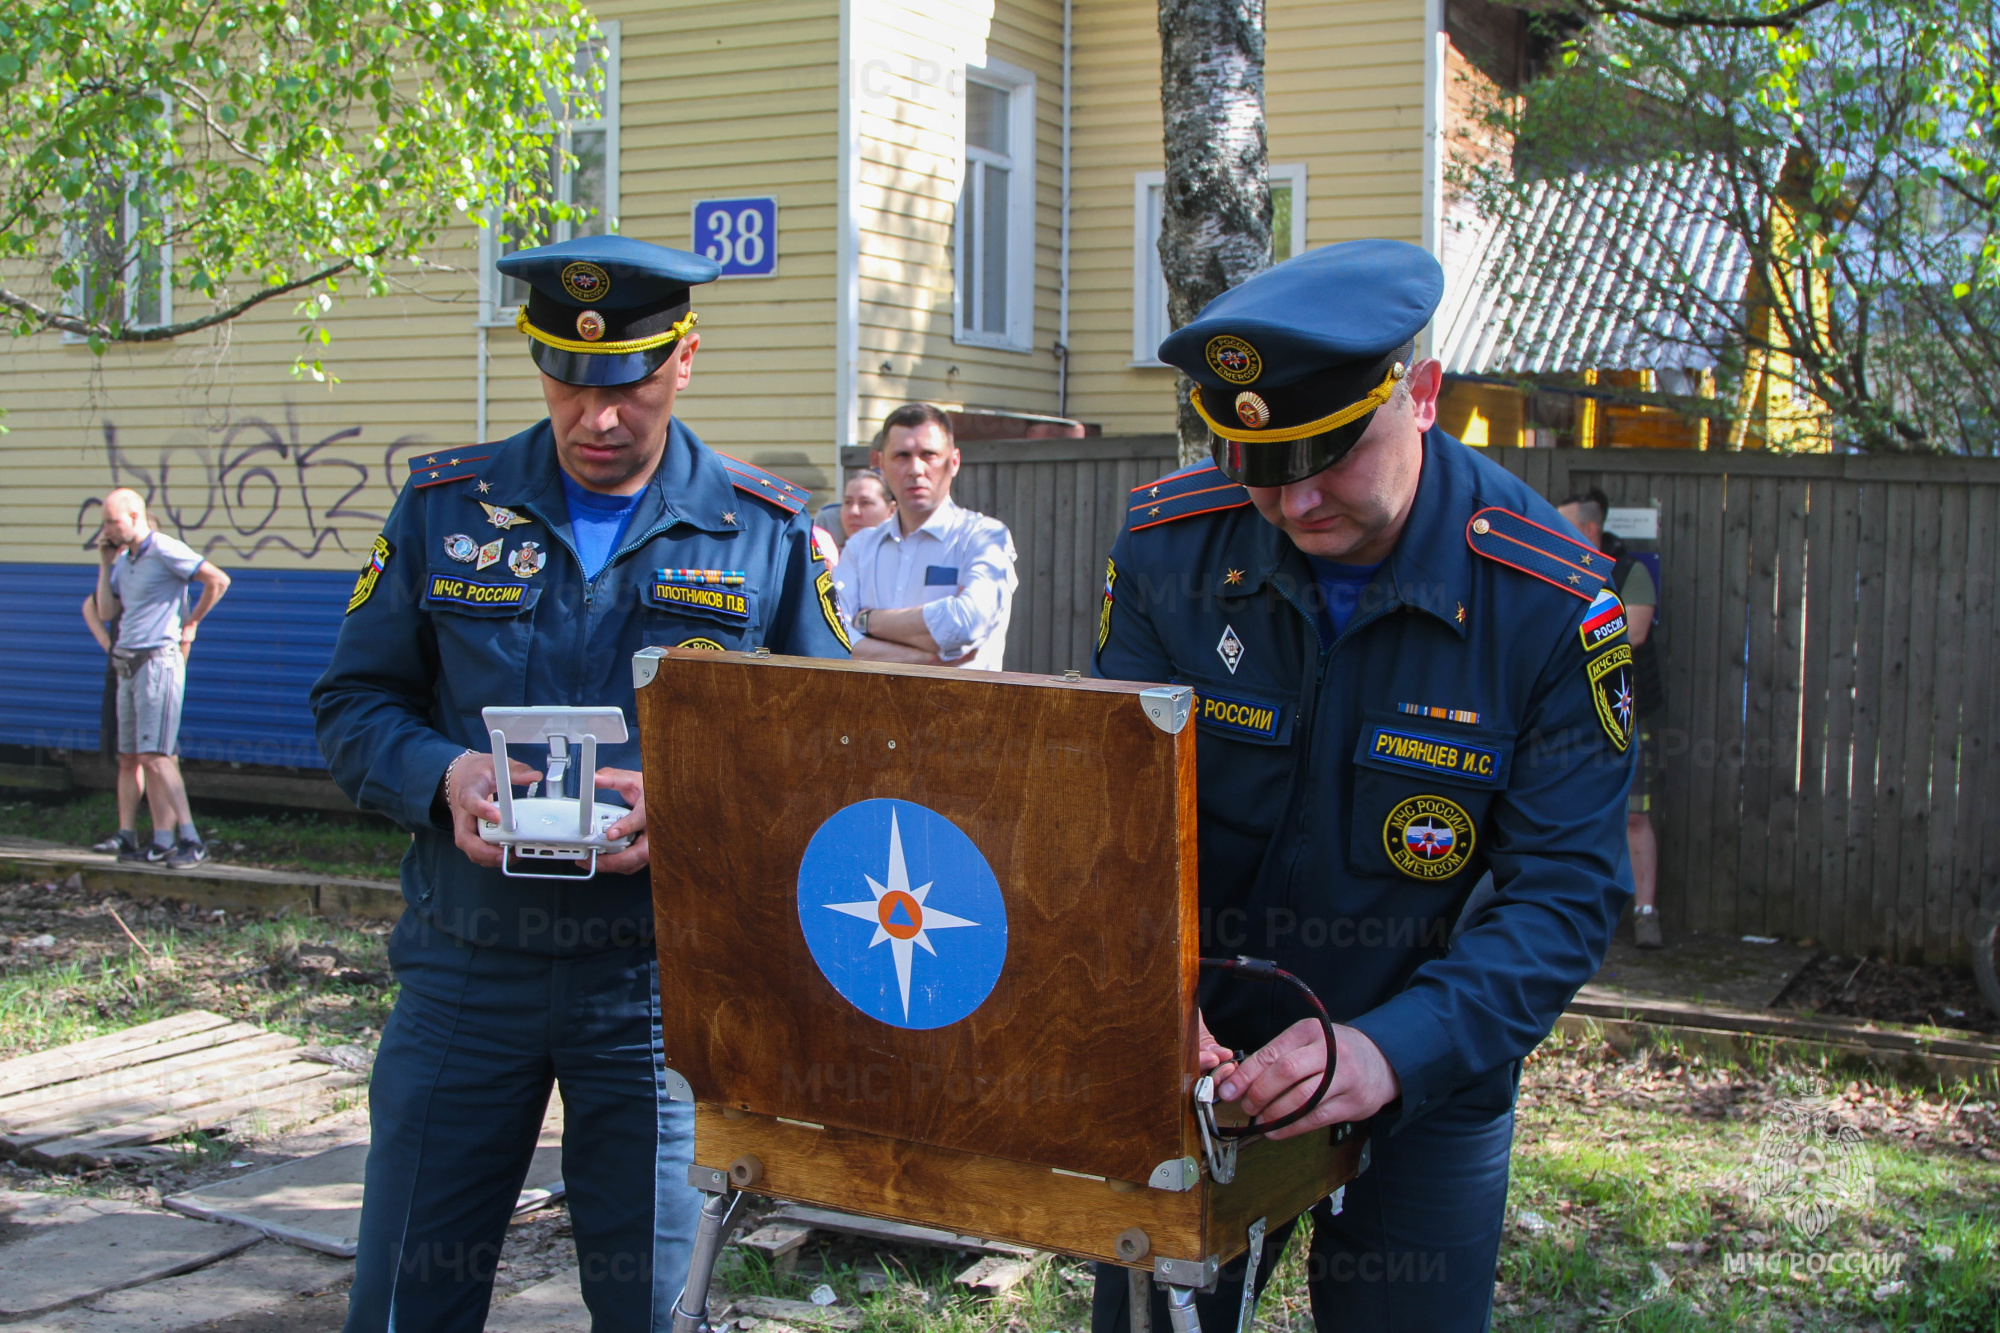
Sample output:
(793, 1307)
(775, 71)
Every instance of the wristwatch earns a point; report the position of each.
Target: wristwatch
(861, 622)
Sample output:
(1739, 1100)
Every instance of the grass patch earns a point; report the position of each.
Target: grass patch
(907, 1290)
(283, 840)
(1658, 1193)
(319, 980)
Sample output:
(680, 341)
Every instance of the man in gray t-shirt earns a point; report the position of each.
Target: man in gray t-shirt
(142, 582)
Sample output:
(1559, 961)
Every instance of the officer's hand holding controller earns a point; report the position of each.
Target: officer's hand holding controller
(468, 789)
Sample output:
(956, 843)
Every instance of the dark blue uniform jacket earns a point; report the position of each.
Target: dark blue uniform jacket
(429, 641)
(1353, 792)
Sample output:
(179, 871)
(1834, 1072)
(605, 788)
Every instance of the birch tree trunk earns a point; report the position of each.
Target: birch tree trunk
(1215, 225)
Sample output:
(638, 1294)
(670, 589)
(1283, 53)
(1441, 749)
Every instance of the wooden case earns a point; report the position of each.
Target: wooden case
(1057, 1114)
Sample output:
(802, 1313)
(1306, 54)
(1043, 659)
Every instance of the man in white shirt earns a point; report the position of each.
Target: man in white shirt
(933, 583)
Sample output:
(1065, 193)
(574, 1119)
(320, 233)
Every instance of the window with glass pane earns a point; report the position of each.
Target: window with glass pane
(1150, 325)
(127, 271)
(985, 210)
(582, 172)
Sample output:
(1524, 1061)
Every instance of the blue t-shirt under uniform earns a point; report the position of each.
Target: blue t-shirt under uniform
(596, 523)
(1340, 590)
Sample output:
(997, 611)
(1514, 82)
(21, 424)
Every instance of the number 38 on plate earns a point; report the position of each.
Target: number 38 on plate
(739, 234)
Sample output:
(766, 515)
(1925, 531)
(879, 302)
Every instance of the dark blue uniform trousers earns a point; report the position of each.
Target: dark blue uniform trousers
(460, 1087)
(1414, 1247)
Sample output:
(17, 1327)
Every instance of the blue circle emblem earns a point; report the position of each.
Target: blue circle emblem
(902, 914)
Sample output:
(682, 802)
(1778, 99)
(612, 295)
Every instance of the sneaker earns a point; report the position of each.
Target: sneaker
(114, 843)
(1646, 928)
(147, 853)
(187, 854)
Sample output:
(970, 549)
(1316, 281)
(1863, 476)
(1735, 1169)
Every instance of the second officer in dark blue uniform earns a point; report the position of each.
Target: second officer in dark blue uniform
(528, 572)
(1407, 676)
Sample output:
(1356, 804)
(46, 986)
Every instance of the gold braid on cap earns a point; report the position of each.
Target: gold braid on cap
(646, 344)
(1352, 412)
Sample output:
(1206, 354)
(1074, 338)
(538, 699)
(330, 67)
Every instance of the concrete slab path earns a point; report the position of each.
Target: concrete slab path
(268, 1288)
(55, 1254)
(315, 1202)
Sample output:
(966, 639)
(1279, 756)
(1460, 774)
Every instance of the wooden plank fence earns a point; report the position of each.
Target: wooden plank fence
(1830, 645)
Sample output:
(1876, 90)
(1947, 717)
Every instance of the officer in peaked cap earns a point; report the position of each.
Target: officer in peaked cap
(528, 572)
(1411, 682)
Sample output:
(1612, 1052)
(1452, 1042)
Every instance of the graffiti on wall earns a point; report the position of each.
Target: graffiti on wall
(250, 484)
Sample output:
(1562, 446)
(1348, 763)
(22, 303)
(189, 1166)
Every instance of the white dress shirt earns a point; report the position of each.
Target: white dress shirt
(959, 566)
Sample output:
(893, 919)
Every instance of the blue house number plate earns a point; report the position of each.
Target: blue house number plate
(739, 234)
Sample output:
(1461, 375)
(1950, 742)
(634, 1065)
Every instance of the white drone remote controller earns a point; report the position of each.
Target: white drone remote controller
(553, 827)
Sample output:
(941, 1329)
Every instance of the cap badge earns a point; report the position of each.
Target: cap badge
(527, 561)
(590, 326)
(586, 281)
(1233, 359)
(1252, 411)
(460, 548)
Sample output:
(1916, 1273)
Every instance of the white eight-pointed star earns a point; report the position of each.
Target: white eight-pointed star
(899, 914)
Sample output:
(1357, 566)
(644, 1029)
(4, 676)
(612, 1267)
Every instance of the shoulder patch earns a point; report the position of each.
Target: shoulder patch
(1603, 622)
(1196, 490)
(823, 589)
(378, 560)
(1521, 543)
(766, 486)
(435, 469)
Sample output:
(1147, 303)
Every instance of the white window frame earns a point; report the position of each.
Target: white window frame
(128, 224)
(492, 310)
(1023, 149)
(1150, 325)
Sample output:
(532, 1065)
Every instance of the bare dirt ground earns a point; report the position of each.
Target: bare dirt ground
(1891, 993)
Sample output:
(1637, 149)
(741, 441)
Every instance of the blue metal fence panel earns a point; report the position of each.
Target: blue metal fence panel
(248, 676)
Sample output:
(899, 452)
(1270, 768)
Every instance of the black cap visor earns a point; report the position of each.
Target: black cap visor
(599, 370)
(1281, 464)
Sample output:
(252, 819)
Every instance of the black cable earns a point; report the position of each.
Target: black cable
(1265, 970)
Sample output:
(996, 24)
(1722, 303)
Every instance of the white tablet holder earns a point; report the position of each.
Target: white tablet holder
(554, 827)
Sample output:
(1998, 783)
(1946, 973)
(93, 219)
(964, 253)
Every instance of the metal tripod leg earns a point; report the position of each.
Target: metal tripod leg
(691, 1310)
(1139, 1299)
(1181, 1312)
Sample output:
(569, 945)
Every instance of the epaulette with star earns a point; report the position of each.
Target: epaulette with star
(1196, 490)
(435, 469)
(1523, 544)
(767, 486)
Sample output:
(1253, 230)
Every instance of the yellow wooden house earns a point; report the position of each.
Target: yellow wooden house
(953, 201)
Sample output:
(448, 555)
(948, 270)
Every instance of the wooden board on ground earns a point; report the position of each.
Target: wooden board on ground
(895, 1233)
(94, 1101)
(997, 1276)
